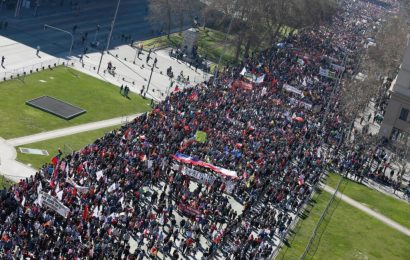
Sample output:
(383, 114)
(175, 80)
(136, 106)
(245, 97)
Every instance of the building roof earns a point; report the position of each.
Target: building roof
(402, 82)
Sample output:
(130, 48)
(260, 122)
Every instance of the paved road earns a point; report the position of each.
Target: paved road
(131, 20)
(369, 211)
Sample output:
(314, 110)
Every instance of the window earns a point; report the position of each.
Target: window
(404, 113)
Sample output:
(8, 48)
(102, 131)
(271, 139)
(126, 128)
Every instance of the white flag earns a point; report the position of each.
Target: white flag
(60, 195)
(39, 188)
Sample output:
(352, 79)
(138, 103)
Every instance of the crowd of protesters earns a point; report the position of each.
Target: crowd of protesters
(129, 185)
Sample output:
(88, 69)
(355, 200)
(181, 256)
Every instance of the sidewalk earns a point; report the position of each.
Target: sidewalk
(137, 75)
(21, 58)
(369, 211)
(69, 130)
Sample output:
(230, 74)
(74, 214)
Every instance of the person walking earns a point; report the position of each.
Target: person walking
(38, 50)
(2, 61)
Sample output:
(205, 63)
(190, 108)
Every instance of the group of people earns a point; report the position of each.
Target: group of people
(154, 188)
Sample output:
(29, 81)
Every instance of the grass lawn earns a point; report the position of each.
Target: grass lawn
(210, 44)
(66, 143)
(101, 100)
(346, 233)
(393, 208)
(5, 183)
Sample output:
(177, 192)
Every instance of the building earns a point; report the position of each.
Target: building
(396, 123)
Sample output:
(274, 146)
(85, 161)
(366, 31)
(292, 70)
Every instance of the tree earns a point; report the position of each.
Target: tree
(160, 13)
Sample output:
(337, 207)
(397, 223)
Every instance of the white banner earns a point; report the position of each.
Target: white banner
(53, 204)
(300, 103)
(208, 178)
(99, 175)
(80, 189)
(292, 89)
(200, 176)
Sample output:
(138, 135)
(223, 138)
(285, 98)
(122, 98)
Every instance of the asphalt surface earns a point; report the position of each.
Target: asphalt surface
(131, 21)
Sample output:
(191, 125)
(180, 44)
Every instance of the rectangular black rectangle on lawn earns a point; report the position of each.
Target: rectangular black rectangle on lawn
(56, 107)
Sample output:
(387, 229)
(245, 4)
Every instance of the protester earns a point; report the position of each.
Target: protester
(167, 179)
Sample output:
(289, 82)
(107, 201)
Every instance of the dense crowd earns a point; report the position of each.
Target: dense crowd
(132, 185)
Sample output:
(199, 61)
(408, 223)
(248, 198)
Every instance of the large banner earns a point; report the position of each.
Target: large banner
(292, 89)
(205, 178)
(195, 161)
(200, 176)
(81, 189)
(53, 204)
(300, 103)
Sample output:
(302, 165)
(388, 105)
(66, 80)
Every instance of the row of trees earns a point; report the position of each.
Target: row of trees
(254, 22)
(378, 62)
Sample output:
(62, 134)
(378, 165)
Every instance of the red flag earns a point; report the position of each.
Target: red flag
(176, 90)
(54, 160)
(300, 181)
(85, 213)
(193, 97)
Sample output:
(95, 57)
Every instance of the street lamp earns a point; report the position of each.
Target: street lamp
(110, 35)
(149, 81)
(1, 4)
(64, 31)
(96, 32)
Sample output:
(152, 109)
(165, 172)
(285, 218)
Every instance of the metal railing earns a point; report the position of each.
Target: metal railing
(322, 217)
(18, 73)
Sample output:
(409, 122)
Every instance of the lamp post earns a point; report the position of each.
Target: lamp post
(64, 31)
(109, 35)
(149, 81)
(96, 32)
(1, 4)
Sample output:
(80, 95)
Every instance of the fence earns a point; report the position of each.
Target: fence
(319, 223)
(23, 71)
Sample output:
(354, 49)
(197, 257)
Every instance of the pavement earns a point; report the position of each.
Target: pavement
(137, 75)
(21, 58)
(132, 20)
(391, 223)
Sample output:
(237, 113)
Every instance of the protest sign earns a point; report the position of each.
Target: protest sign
(292, 89)
(81, 189)
(54, 204)
(200, 136)
(327, 73)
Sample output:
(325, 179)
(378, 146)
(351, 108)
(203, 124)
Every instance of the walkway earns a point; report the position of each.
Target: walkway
(369, 211)
(15, 170)
(69, 130)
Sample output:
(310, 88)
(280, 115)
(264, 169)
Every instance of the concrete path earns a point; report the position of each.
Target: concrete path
(369, 211)
(11, 168)
(14, 170)
(69, 130)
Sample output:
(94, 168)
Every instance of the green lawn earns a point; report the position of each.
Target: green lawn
(210, 44)
(66, 144)
(5, 183)
(346, 233)
(393, 208)
(101, 100)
